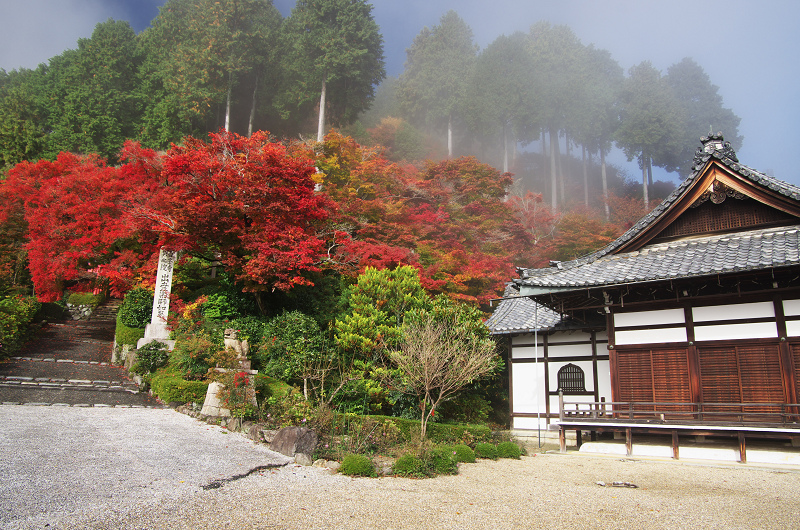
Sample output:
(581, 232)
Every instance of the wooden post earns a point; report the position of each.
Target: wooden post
(675, 444)
(562, 439)
(578, 435)
(628, 441)
(560, 405)
(742, 448)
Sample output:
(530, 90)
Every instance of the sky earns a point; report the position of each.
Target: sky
(749, 48)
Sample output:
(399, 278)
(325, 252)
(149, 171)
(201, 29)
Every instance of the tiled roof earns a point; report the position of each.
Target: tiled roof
(742, 251)
(520, 314)
(706, 255)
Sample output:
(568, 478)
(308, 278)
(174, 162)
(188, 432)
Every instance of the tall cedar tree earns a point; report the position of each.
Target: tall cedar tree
(335, 59)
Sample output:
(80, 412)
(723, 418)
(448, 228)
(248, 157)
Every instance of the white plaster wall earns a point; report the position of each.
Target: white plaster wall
(604, 379)
(651, 336)
(530, 423)
(569, 336)
(791, 308)
(569, 350)
(527, 381)
(650, 318)
(527, 352)
(793, 328)
(733, 312)
(761, 330)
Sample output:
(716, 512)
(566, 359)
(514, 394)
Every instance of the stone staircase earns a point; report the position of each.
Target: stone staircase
(69, 364)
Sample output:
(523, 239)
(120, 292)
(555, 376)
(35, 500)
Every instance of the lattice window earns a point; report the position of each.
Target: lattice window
(571, 379)
(733, 214)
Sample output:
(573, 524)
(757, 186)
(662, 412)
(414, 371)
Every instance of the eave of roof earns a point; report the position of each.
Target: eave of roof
(714, 150)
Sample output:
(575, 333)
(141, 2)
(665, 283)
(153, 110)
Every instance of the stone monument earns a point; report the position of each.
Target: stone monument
(157, 330)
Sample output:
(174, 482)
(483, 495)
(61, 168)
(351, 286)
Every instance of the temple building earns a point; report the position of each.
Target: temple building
(687, 324)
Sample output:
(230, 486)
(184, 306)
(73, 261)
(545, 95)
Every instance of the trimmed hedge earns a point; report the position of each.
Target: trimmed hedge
(486, 450)
(90, 299)
(136, 309)
(357, 465)
(126, 335)
(508, 450)
(440, 433)
(409, 465)
(173, 388)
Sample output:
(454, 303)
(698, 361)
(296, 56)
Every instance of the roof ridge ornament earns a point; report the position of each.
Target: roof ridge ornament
(714, 145)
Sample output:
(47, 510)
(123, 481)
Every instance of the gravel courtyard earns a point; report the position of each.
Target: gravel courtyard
(65, 467)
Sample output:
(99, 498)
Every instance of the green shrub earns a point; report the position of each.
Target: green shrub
(250, 329)
(409, 465)
(464, 453)
(16, 315)
(192, 355)
(508, 450)
(441, 461)
(136, 309)
(357, 465)
(170, 387)
(126, 335)
(150, 358)
(92, 300)
(486, 450)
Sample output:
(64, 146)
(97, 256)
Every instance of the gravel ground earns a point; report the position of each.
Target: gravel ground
(145, 468)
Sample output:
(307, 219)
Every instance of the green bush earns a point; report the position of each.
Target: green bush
(463, 453)
(150, 358)
(250, 329)
(441, 461)
(508, 450)
(486, 450)
(409, 465)
(441, 433)
(192, 355)
(136, 309)
(170, 387)
(16, 315)
(357, 465)
(126, 335)
(92, 300)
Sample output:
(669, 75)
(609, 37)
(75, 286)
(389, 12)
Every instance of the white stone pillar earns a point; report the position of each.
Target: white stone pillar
(157, 328)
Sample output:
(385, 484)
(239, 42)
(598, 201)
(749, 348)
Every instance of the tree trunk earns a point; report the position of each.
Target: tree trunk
(649, 171)
(450, 136)
(585, 178)
(228, 103)
(605, 184)
(553, 176)
(321, 126)
(252, 109)
(560, 172)
(505, 148)
(644, 183)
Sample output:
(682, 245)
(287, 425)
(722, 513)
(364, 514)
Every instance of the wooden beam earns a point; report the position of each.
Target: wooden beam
(675, 450)
(562, 439)
(742, 448)
(578, 435)
(628, 441)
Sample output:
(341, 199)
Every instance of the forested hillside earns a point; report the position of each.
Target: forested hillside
(410, 178)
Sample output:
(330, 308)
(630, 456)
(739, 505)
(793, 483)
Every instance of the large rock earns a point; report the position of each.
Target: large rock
(292, 440)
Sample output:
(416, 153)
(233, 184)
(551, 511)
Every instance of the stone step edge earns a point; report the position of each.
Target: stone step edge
(73, 386)
(54, 360)
(24, 378)
(80, 405)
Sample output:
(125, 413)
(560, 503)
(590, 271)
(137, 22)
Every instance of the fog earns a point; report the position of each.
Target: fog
(747, 48)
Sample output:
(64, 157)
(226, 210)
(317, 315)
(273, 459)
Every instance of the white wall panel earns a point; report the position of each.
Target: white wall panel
(733, 312)
(568, 350)
(651, 336)
(572, 336)
(791, 308)
(527, 352)
(793, 328)
(762, 330)
(528, 387)
(527, 338)
(530, 423)
(649, 318)
(604, 379)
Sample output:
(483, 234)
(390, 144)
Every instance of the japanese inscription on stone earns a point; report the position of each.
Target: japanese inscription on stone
(166, 262)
